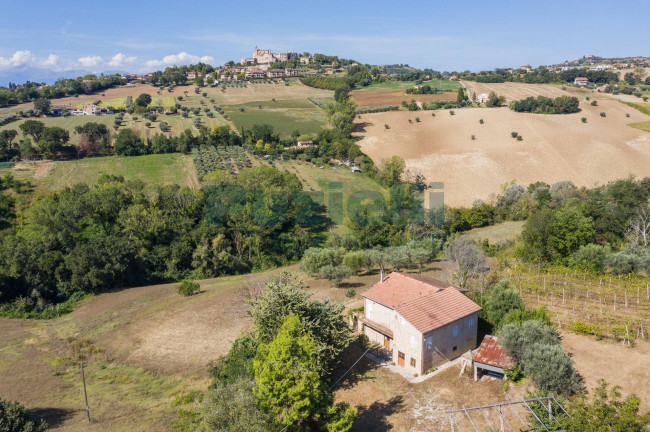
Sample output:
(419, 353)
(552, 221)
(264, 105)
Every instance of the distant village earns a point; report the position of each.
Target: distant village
(256, 67)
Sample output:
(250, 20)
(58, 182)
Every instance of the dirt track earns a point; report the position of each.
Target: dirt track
(554, 147)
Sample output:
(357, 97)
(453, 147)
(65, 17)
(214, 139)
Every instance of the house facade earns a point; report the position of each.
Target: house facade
(419, 322)
(581, 81)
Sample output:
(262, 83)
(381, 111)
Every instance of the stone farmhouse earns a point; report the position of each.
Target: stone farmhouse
(419, 322)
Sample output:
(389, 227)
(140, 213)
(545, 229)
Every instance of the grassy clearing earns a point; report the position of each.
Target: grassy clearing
(285, 116)
(501, 233)
(161, 169)
(120, 103)
(644, 126)
(643, 107)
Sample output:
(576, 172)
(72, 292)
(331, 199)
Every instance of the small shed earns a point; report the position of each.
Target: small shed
(491, 359)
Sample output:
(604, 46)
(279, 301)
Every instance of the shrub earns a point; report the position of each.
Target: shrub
(356, 260)
(188, 287)
(515, 374)
(581, 328)
(481, 121)
(519, 138)
(15, 418)
(386, 126)
(473, 137)
(433, 114)
(410, 121)
(590, 257)
(335, 274)
(594, 103)
(147, 124)
(602, 114)
(627, 115)
(500, 300)
(315, 258)
(552, 369)
(451, 112)
(584, 119)
(514, 134)
(417, 119)
(350, 293)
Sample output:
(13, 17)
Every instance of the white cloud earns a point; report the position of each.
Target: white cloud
(121, 60)
(182, 58)
(90, 61)
(27, 58)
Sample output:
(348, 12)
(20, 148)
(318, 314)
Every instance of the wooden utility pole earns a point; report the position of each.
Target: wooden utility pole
(83, 377)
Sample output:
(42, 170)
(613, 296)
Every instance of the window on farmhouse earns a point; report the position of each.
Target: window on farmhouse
(369, 310)
(456, 330)
(412, 362)
(412, 341)
(470, 324)
(429, 342)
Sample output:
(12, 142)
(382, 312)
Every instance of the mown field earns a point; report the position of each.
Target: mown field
(285, 116)
(161, 169)
(445, 85)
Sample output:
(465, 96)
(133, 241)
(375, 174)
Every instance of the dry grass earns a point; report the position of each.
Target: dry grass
(515, 91)
(498, 234)
(554, 147)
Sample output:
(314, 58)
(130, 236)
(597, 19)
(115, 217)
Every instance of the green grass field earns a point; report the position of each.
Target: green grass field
(284, 115)
(441, 84)
(120, 103)
(161, 169)
(643, 107)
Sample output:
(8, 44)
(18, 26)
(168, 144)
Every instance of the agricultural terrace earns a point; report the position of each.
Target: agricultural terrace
(176, 123)
(159, 169)
(516, 91)
(394, 93)
(553, 147)
(285, 116)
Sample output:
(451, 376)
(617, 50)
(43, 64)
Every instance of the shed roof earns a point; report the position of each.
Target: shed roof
(492, 353)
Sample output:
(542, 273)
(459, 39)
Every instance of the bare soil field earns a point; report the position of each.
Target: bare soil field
(554, 147)
(396, 97)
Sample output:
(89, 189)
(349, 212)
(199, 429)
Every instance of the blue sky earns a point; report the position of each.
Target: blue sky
(146, 35)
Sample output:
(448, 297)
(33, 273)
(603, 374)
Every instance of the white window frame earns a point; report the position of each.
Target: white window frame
(455, 330)
(470, 324)
(369, 312)
(428, 343)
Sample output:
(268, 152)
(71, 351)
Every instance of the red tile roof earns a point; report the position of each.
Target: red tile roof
(437, 309)
(492, 353)
(424, 302)
(399, 288)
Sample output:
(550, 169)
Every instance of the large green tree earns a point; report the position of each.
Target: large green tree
(289, 386)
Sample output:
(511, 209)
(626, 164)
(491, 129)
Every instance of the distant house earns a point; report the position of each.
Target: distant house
(89, 109)
(355, 169)
(482, 98)
(581, 81)
(193, 74)
(275, 73)
(291, 72)
(526, 67)
(305, 60)
(419, 322)
(491, 359)
(57, 111)
(255, 73)
(77, 112)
